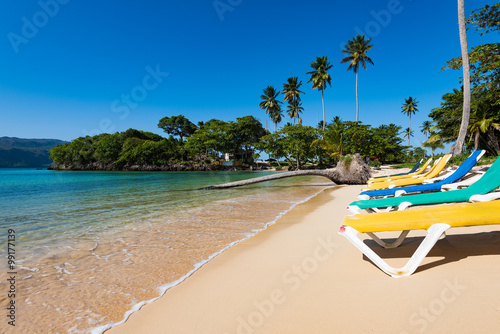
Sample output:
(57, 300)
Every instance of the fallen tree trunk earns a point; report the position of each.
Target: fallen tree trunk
(356, 171)
(331, 175)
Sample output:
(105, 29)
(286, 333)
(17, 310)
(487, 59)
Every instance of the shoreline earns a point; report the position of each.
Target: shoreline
(126, 236)
(300, 276)
(296, 211)
(163, 289)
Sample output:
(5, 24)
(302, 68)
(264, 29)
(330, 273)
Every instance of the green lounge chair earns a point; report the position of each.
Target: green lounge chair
(487, 183)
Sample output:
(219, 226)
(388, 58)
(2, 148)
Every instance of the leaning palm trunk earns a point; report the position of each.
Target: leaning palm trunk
(356, 171)
(457, 148)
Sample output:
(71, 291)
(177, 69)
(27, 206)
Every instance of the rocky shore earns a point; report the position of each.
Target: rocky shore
(177, 167)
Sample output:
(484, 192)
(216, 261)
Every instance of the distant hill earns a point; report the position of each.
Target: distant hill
(27, 153)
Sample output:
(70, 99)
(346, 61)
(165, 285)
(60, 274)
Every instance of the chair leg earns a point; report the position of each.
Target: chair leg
(377, 210)
(433, 234)
(395, 244)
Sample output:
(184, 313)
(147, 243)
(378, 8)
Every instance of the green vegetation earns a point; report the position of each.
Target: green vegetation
(203, 145)
(206, 145)
(26, 153)
(483, 128)
(271, 105)
(111, 151)
(292, 95)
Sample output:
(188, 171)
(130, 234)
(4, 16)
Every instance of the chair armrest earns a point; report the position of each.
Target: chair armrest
(485, 198)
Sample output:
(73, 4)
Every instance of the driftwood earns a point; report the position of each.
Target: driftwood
(355, 172)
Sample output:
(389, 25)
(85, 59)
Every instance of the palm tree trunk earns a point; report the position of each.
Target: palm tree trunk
(357, 172)
(476, 140)
(458, 147)
(323, 100)
(409, 133)
(357, 99)
(332, 175)
(494, 141)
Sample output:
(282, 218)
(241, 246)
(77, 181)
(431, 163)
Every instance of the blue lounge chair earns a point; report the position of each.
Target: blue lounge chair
(464, 168)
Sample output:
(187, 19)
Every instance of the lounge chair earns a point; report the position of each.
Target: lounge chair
(455, 175)
(487, 183)
(466, 181)
(399, 174)
(436, 220)
(435, 170)
(398, 177)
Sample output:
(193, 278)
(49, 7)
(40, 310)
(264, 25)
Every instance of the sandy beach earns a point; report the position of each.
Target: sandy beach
(300, 276)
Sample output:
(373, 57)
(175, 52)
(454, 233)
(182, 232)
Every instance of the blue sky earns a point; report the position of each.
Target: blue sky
(70, 67)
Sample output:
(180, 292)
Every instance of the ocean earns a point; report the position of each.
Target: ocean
(90, 248)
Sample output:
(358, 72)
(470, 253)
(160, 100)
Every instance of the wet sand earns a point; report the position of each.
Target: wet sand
(300, 276)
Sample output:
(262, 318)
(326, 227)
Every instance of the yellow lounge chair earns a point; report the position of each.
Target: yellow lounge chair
(436, 220)
(432, 173)
(399, 177)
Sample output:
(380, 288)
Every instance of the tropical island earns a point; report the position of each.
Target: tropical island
(217, 144)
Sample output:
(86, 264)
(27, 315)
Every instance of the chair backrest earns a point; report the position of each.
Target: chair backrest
(489, 181)
(415, 167)
(438, 167)
(430, 169)
(421, 170)
(464, 168)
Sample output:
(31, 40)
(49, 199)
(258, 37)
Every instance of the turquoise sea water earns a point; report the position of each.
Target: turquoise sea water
(114, 239)
(46, 206)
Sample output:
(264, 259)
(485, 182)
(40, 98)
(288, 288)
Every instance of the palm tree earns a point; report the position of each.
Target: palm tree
(409, 107)
(320, 77)
(291, 89)
(276, 117)
(434, 141)
(481, 125)
(357, 49)
(294, 109)
(292, 95)
(457, 148)
(426, 128)
(409, 133)
(271, 105)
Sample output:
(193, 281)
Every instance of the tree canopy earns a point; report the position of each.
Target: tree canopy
(485, 94)
(177, 126)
